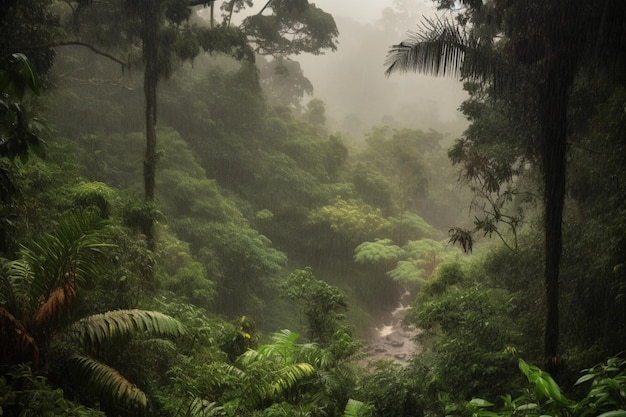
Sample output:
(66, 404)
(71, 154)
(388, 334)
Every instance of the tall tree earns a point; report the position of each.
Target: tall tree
(294, 26)
(540, 43)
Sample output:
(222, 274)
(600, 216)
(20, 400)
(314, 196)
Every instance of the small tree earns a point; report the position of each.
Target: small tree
(323, 305)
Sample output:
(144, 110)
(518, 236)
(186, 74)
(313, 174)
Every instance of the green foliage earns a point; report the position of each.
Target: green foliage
(82, 346)
(397, 155)
(283, 82)
(23, 393)
(373, 187)
(285, 375)
(140, 215)
(107, 383)
(93, 331)
(40, 288)
(378, 251)
(29, 23)
(96, 195)
(275, 35)
(448, 274)
(271, 371)
(324, 306)
(605, 396)
(467, 324)
(410, 227)
(350, 221)
(185, 276)
(390, 390)
(19, 133)
(420, 262)
(356, 408)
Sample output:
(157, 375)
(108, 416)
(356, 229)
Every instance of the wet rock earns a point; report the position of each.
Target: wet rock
(397, 343)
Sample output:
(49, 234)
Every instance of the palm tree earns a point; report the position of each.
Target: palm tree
(39, 288)
(38, 292)
(542, 43)
(271, 371)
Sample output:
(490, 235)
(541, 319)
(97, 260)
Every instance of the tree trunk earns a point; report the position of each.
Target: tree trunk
(150, 82)
(554, 98)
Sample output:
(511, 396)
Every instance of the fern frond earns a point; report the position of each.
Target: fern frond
(354, 408)
(93, 331)
(289, 376)
(203, 408)
(14, 284)
(107, 383)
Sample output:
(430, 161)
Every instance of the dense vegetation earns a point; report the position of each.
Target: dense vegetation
(231, 256)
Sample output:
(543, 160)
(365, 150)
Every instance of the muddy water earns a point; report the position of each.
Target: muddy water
(392, 339)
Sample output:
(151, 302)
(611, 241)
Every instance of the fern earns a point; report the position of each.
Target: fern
(94, 331)
(203, 408)
(355, 408)
(106, 382)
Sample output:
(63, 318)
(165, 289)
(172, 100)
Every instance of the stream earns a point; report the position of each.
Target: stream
(392, 339)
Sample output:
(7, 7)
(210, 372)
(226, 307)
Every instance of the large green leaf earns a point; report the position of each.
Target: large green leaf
(354, 408)
(545, 385)
(442, 47)
(67, 253)
(92, 331)
(107, 383)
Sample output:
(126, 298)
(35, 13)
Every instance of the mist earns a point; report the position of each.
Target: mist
(358, 95)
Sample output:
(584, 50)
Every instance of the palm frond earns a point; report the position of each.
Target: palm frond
(15, 279)
(66, 253)
(282, 349)
(16, 344)
(203, 408)
(442, 47)
(59, 302)
(438, 49)
(107, 383)
(354, 408)
(93, 331)
(290, 376)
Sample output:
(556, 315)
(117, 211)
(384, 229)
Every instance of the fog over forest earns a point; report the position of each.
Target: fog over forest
(351, 81)
(289, 208)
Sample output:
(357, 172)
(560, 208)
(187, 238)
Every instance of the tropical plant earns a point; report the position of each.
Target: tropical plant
(274, 371)
(605, 396)
(39, 289)
(82, 346)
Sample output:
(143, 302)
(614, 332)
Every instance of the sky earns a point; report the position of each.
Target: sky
(352, 83)
(360, 10)
(364, 11)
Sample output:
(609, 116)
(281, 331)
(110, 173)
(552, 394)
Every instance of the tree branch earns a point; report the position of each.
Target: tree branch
(92, 48)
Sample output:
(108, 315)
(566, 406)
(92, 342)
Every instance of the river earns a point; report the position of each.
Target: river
(392, 339)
